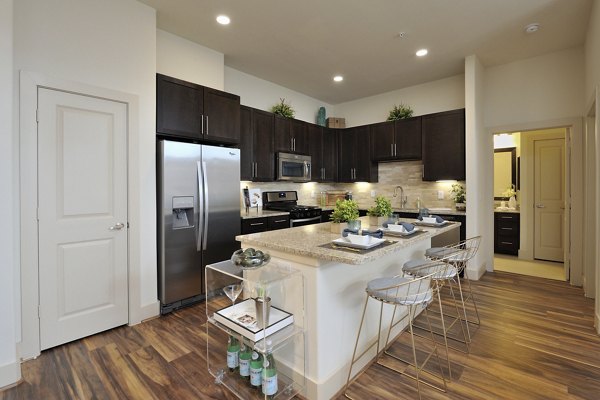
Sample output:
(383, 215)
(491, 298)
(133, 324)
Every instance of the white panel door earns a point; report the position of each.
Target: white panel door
(82, 215)
(549, 199)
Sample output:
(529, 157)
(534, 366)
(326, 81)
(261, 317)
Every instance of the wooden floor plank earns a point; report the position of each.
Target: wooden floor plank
(536, 341)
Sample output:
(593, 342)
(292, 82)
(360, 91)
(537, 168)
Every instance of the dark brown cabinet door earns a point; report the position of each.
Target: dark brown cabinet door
(254, 225)
(315, 150)
(279, 222)
(221, 116)
(364, 169)
(298, 134)
(347, 146)
(408, 139)
(382, 141)
(179, 107)
(444, 146)
(262, 146)
(246, 139)
(282, 138)
(330, 155)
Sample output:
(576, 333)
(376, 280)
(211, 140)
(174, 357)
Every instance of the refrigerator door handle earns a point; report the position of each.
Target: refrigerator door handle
(206, 206)
(201, 207)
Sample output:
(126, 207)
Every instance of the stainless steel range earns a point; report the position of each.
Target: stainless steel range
(288, 201)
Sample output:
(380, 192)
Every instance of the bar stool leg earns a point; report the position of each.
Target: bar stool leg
(362, 319)
(436, 351)
(443, 330)
(412, 339)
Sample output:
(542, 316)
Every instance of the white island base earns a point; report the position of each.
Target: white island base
(335, 296)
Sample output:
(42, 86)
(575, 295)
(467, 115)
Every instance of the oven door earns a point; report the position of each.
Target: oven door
(295, 168)
(305, 221)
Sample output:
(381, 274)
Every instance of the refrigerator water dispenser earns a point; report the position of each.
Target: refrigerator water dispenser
(183, 212)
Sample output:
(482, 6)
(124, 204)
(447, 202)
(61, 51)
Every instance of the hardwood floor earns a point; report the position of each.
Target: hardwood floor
(536, 341)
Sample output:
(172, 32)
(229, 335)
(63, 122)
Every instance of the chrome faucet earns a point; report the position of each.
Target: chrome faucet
(403, 199)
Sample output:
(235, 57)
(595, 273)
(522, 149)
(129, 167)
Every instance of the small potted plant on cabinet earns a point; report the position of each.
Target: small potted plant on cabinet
(344, 215)
(459, 194)
(380, 212)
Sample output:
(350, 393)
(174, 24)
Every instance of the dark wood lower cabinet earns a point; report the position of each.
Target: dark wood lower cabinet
(507, 233)
(263, 224)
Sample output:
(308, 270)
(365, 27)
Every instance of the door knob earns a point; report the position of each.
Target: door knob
(117, 227)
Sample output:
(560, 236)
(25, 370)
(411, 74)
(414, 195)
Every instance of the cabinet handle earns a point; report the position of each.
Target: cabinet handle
(506, 242)
(506, 217)
(279, 221)
(392, 148)
(202, 119)
(395, 150)
(506, 229)
(257, 223)
(206, 125)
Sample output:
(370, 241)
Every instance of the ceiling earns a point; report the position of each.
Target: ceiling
(301, 45)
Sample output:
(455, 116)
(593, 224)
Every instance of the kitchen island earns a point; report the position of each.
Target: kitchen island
(335, 282)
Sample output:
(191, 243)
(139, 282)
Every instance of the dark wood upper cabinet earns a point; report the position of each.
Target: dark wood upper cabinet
(444, 146)
(179, 107)
(246, 144)
(290, 135)
(322, 144)
(396, 140)
(383, 139)
(264, 157)
(355, 157)
(191, 111)
(408, 139)
(256, 145)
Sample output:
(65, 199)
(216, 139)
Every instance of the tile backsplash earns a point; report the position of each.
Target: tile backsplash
(406, 174)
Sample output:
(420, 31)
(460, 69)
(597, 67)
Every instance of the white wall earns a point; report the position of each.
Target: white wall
(183, 59)
(592, 53)
(480, 167)
(109, 44)
(261, 94)
(9, 364)
(541, 88)
(441, 95)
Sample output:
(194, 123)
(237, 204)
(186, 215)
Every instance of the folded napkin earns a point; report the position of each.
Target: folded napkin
(346, 231)
(376, 234)
(408, 227)
(438, 219)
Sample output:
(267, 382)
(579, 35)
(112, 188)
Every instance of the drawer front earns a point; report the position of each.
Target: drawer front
(507, 245)
(279, 222)
(512, 217)
(507, 228)
(254, 225)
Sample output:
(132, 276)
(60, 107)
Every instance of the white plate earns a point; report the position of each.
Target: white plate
(388, 231)
(346, 243)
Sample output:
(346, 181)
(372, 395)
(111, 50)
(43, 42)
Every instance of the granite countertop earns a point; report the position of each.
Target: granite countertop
(433, 210)
(507, 210)
(260, 213)
(306, 241)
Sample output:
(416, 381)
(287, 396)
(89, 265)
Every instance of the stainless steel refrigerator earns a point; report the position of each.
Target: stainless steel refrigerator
(198, 216)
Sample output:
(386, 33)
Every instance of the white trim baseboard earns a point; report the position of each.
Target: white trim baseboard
(476, 272)
(10, 374)
(597, 322)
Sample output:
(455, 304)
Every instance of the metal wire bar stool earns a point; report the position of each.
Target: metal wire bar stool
(414, 293)
(444, 271)
(468, 249)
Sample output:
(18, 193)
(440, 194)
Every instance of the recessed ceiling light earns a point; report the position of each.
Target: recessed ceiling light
(223, 19)
(422, 52)
(338, 78)
(532, 27)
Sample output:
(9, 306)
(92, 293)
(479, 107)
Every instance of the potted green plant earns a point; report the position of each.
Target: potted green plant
(344, 215)
(400, 112)
(283, 109)
(380, 212)
(459, 194)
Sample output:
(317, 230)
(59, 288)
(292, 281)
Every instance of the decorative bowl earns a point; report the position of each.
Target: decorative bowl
(250, 258)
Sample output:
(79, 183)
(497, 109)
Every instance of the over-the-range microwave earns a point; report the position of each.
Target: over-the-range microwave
(293, 167)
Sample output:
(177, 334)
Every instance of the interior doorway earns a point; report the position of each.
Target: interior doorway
(538, 183)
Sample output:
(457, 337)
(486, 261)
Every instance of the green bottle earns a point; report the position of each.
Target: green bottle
(245, 356)
(256, 367)
(269, 373)
(233, 353)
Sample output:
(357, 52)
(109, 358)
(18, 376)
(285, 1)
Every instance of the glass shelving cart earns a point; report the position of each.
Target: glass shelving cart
(247, 345)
